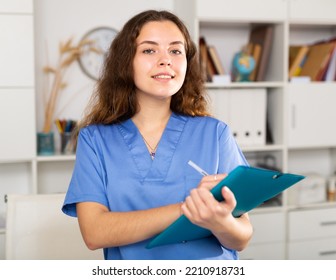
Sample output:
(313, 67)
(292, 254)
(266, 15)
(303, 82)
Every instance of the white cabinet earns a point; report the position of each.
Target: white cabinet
(312, 234)
(17, 103)
(299, 117)
(312, 111)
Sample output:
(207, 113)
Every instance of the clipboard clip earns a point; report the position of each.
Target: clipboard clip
(276, 176)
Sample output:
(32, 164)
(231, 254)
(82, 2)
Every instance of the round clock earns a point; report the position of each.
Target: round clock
(94, 54)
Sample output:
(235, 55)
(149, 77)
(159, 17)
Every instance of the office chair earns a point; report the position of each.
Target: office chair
(37, 229)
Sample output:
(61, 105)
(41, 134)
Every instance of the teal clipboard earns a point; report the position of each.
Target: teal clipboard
(251, 186)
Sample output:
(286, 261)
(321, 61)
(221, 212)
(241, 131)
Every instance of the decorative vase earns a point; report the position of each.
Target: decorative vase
(45, 143)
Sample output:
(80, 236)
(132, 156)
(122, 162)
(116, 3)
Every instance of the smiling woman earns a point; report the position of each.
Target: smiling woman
(147, 119)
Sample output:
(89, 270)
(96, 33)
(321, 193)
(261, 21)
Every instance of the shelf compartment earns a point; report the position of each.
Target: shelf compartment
(230, 38)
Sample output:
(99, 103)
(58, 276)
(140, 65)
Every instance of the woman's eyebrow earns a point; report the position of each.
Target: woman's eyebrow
(156, 43)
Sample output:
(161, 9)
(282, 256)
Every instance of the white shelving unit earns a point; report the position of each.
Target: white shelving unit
(300, 115)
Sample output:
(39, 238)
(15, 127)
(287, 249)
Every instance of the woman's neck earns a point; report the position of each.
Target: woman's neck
(151, 121)
(153, 113)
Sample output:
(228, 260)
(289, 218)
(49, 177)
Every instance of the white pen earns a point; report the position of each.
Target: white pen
(197, 168)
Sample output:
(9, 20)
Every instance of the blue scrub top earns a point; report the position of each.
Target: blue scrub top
(113, 167)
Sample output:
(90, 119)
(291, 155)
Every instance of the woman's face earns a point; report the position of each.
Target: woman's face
(160, 61)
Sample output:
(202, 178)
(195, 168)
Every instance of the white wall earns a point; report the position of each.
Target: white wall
(59, 20)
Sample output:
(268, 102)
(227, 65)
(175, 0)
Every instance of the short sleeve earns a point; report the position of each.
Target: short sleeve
(88, 178)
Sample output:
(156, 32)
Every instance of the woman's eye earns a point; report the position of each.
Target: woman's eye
(148, 51)
(176, 52)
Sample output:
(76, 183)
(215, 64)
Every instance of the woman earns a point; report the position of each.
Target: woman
(146, 120)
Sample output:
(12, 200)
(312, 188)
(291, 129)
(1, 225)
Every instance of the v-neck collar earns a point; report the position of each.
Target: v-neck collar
(157, 169)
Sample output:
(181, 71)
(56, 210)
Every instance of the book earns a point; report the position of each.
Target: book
(210, 66)
(297, 56)
(292, 53)
(215, 59)
(207, 64)
(325, 65)
(262, 35)
(203, 53)
(251, 186)
(328, 72)
(317, 60)
(331, 71)
(256, 52)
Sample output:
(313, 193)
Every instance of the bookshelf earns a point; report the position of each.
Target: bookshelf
(299, 115)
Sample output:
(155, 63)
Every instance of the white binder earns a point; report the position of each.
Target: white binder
(244, 110)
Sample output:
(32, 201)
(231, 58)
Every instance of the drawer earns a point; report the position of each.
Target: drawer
(320, 249)
(270, 251)
(268, 227)
(312, 224)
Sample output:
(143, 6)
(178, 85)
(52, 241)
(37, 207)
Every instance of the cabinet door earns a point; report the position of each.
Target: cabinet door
(17, 126)
(16, 51)
(16, 6)
(312, 10)
(312, 115)
(242, 9)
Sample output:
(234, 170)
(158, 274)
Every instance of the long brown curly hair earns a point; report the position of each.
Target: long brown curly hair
(114, 99)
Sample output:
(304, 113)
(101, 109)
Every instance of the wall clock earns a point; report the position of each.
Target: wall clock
(91, 61)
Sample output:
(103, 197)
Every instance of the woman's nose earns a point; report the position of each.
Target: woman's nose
(165, 60)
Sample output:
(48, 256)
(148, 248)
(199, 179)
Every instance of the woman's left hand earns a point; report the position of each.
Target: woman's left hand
(202, 209)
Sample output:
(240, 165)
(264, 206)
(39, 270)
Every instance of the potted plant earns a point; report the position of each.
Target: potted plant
(68, 53)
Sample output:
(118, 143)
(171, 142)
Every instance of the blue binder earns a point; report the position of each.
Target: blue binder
(251, 186)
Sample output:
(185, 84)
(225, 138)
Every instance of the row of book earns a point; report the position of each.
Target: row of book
(210, 61)
(316, 61)
(258, 46)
